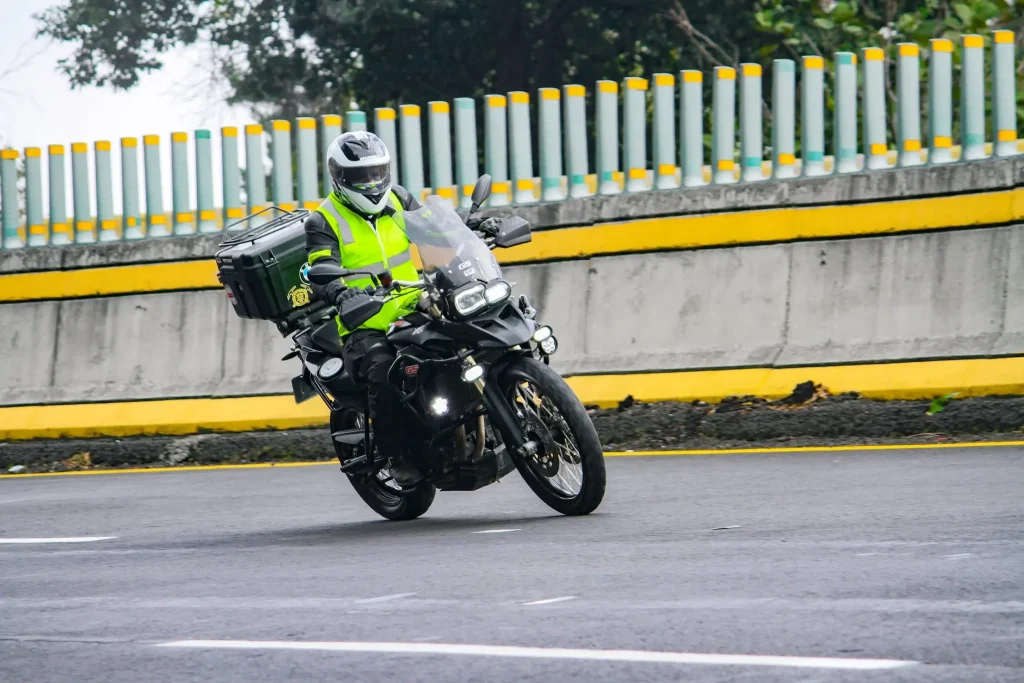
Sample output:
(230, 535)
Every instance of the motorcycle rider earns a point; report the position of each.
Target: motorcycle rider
(360, 227)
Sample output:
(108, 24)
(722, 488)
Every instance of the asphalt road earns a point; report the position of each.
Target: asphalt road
(916, 556)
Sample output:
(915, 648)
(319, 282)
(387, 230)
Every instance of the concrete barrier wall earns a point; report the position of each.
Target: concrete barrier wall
(934, 295)
(947, 294)
(926, 181)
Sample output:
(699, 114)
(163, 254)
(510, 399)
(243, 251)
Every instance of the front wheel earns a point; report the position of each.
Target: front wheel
(567, 471)
(379, 491)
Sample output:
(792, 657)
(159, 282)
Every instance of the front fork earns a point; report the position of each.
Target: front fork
(503, 416)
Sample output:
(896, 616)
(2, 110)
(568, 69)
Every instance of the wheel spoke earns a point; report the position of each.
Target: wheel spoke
(568, 479)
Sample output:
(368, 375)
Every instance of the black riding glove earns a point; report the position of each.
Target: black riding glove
(474, 221)
(349, 295)
(489, 226)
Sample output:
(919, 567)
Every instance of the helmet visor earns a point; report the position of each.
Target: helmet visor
(366, 180)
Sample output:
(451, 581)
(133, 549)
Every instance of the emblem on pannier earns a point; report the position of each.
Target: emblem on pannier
(299, 295)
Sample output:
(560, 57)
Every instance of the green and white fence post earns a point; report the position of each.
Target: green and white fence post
(691, 127)
(576, 157)
(156, 220)
(1004, 94)
(607, 143)
(38, 233)
(812, 116)
(466, 164)
(109, 231)
(664, 132)
(550, 131)
(411, 144)
(356, 121)
(330, 129)
(206, 214)
(520, 147)
(940, 102)
(496, 148)
(281, 186)
(844, 145)
(85, 229)
(231, 176)
(634, 107)
(876, 147)
(908, 101)
(440, 140)
(972, 98)
(181, 199)
(60, 230)
(723, 127)
(131, 209)
(305, 160)
(255, 177)
(385, 125)
(784, 118)
(13, 233)
(751, 135)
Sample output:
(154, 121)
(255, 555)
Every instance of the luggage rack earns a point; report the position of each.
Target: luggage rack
(253, 233)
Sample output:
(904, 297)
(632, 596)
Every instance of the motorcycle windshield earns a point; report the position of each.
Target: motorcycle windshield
(451, 253)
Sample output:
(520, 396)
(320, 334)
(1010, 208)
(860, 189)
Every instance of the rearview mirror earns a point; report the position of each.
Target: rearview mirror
(481, 191)
(513, 231)
(325, 273)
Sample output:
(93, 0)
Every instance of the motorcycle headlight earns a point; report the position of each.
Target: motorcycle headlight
(499, 290)
(469, 300)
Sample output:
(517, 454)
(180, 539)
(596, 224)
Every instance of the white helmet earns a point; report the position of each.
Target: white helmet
(360, 168)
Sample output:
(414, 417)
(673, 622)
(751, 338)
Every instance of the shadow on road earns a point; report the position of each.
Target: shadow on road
(370, 532)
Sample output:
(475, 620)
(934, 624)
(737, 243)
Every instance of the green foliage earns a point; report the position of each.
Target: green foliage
(315, 56)
(286, 58)
(824, 27)
(939, 403)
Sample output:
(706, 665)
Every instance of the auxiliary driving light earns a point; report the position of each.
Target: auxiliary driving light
(549, 346)
(439, 406)
(472, 373)
(541, 334)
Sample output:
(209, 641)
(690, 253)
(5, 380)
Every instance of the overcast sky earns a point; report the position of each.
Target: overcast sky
(37, 107)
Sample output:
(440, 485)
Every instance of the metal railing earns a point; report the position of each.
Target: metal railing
(564, 168)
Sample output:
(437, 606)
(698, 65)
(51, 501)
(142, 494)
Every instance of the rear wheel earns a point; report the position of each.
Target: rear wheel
(567, 471)
(379, 491)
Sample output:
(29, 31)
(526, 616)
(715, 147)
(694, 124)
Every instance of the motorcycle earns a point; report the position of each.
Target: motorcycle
(472, 373)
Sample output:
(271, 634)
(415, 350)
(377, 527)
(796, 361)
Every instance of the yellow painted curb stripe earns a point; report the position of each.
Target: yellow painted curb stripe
(654, 234)
(812, 449)
(154, 277)
(912, 380)
(171, 416)
(153, 470)
(888, 381)
(770, 225)
(607, 454)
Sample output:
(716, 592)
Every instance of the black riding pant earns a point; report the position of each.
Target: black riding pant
(369, 357)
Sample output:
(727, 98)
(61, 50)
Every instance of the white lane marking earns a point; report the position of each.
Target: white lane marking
(70, 539)
(549, 653)
(495, 531)
(959, 556)
(564, 598)
(384, 598)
